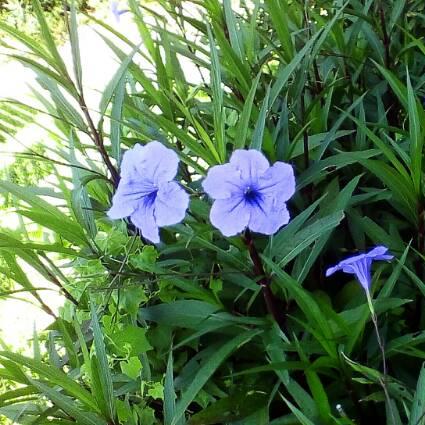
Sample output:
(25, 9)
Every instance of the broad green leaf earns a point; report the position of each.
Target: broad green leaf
(131, 341)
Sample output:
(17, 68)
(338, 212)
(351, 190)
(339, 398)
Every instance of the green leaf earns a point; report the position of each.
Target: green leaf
(416, 120)
(169, 393)
(27, 40)
(68, 405)
(114, 83)
(80, 201)
(243, 124)
(306, 237)
(116, 120)
(257, 137)
(49, 41)
(183, 313)
(279, 16)
(338, 203)
(53, 376)
(46, 214)
(217, 98)
(104, 370)
(234, 31)
(75, 45)
(131, 367)
(309, 307)
(207, 370)
(402, 190)
(304, 420)
(332, 163)
(286, 71)
(235, 407)
(131, 341)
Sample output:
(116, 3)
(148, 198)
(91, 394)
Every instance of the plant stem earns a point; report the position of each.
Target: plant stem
(382, 381)
(93, 133)
(97, 138)
(272, 303)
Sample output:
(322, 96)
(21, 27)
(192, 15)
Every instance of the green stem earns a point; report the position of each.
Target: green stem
(382, 381)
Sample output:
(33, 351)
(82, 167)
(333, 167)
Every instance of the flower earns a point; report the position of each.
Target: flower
(146, 192)
(360, 265)
(115, 11)
(249, 193)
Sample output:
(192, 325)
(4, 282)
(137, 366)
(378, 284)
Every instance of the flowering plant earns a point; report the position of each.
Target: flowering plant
(194, 204)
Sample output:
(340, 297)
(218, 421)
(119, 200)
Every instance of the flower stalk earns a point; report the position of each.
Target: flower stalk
(383, 380)
(271, 301)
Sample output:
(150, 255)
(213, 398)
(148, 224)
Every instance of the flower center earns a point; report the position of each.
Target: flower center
(150, 199)
(251, 195)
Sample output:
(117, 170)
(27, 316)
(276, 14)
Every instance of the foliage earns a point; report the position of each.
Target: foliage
(179, 333)
(19, 13)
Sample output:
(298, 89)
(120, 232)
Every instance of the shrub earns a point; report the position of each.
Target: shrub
(207, 329)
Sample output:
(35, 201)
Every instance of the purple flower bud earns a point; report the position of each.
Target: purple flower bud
(360, 265)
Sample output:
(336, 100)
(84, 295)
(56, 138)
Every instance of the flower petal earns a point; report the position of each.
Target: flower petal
(361, 269)
(379, 253)
(222, 181)
(267, 217)
(159, 163)
(230, 216)
(278, 181)
(143, 218)
(127, 197)
(251, 164)
(170, 204)
(130, 164)
(350, 260)
(153, 162)
(332, 270)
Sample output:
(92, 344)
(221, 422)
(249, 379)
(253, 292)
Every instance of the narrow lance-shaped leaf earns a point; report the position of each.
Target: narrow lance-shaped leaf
(416, 134)
(245, 117)
(258, 135)
(116, 117)
(207, 370)
(68, 405)
(234, 31)
(75, 45)
(104, 371)
(217, 98)
(58, 62)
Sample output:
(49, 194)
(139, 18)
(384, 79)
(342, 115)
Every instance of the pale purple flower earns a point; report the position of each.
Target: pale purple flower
(248, 193)
(147, 193)
(115, 11)
(360, 265)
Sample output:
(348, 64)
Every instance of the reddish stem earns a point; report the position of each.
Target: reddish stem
(272, 303)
